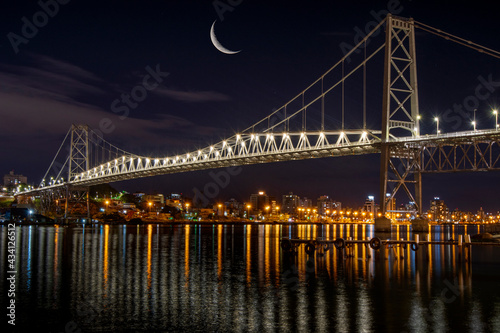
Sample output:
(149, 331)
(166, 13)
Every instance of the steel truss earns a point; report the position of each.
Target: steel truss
(51, 200)
(404, 173)
(239, 150)
(77, 201)
(79, 151)
(461, 154)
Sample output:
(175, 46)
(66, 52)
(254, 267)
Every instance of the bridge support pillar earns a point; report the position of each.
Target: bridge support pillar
(420, 225)
(89, 215)
(383, 224)
(77, 203)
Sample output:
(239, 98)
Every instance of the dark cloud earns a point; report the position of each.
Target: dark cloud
(46, 99)
(192, 96)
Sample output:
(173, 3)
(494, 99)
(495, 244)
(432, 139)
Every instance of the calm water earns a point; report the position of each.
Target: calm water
(232, 278)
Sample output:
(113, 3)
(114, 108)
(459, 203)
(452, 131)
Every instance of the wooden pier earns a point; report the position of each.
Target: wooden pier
(346, 246)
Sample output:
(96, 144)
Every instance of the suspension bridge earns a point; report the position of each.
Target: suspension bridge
(287, 134)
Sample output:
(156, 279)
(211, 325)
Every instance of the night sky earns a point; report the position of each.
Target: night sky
(80, 61)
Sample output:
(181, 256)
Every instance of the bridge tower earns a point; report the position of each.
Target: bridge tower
(78, 196)
(79, 150)
(400, 168)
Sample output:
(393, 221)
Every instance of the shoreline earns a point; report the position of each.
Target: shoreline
(488, 227)
(181, 223)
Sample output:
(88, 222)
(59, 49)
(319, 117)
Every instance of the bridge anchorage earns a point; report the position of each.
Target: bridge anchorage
(310, 125)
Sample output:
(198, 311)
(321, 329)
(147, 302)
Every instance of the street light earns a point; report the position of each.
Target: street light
(436, 119)
(474, 121)
(150, 204)
(107, 204)
(495, 112)
(300, 210)
(417, 129)
(248, 211)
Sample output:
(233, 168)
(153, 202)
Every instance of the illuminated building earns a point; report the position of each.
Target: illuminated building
(438, 211)
(325, 204)
(11, 179)
(290, 202)
(259, 201)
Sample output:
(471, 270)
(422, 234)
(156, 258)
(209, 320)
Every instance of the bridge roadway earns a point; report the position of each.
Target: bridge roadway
(255, 148)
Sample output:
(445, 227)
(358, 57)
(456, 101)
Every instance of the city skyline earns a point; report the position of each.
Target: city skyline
(200, 95)
(12, 181)
(305, 201)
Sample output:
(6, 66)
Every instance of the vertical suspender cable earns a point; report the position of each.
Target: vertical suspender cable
(305, 119)
(303, 114)
(286, 121)
(343, 95)
(322, 106)
(53, 160)
(364, 90)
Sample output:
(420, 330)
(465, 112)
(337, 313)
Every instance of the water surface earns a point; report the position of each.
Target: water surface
(235, 278)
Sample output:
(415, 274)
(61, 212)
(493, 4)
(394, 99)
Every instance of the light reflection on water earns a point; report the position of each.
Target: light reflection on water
(236, 278)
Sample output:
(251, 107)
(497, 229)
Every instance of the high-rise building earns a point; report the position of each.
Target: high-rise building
(290, 203)
(391, 205)
(306, 203)
(438, 211)
(273, 206)
(326, 205)
(480, 215)
(369, 206)
(259, 201)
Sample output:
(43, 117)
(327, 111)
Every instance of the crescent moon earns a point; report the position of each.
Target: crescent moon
(217, 44)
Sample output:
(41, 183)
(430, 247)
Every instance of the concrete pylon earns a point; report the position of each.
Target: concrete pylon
(420, 225)
(383, 224)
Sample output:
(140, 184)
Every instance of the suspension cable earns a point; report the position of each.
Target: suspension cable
(54, 159)
(347, 55)
(458, 40)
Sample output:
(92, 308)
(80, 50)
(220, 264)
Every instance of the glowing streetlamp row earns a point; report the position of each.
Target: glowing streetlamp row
(473, 123)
